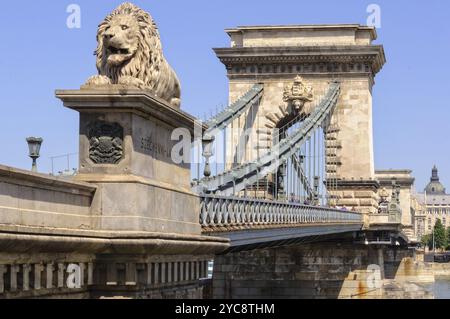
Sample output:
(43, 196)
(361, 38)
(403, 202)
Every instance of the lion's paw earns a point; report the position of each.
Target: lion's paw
(131, 81)
(98, 80)
(175, 102)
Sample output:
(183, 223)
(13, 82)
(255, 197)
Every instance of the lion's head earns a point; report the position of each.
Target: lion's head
(129, 52)
(127, 34)
(120, 40)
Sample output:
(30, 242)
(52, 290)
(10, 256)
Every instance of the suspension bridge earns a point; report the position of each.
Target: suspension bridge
(283, 194)
(285, 187)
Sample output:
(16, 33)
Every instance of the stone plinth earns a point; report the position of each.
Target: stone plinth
(126, 150)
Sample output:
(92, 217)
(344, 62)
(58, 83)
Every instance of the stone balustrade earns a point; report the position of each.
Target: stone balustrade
(41, 279)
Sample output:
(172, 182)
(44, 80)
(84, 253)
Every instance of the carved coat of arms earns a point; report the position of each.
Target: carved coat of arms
(298, 94)
(105, 143)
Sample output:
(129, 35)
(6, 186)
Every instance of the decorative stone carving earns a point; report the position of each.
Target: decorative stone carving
(394, 210)
(298, 94)
(295, 97)
(105, 143)
(282, 65)
(384, 194)
(383, 203)
(129, 53)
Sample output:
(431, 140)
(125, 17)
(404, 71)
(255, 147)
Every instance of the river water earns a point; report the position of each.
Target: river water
(441, 288)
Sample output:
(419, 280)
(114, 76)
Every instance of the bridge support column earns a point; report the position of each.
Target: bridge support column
(381, 262)
(274, 56)
(343, 270)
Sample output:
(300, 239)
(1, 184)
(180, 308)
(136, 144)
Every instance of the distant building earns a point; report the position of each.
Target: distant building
(432, 205)
(435, 187)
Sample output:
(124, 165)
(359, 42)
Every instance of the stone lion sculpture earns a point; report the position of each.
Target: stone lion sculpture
(129, 53)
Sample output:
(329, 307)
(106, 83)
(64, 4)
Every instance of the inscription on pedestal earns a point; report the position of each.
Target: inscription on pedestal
(149, 145)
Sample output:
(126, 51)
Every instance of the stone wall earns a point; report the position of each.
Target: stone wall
(402, 266)
(34, 200)
(313, 271)
(441, 270)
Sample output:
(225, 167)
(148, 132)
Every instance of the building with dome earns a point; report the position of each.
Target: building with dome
(435, 187)
(432, 204)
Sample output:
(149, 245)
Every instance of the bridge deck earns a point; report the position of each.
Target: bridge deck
(262, 238)
(249, 222)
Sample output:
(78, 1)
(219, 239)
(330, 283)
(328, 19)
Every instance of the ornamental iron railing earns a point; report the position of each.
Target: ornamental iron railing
(220, 211)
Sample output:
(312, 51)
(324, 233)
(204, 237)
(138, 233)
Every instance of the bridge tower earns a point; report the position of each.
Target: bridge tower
(277, 56)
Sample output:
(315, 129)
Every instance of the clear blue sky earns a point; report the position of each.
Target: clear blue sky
(40, 54)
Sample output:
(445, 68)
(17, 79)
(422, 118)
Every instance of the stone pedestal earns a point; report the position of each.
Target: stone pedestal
(143, 212)
(126, 150)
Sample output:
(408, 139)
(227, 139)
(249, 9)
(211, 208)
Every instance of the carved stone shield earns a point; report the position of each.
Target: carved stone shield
(105, 143)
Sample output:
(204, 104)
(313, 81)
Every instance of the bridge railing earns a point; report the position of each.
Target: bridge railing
(219, 211)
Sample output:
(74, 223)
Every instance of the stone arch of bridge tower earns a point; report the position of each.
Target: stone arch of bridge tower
(271, 122)
(284, 114)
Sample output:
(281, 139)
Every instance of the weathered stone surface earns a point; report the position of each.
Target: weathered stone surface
(145, 190)
(289, 36)
(347, 194)
(101, 276)
(35, 200)
(317, 271)
(404, 179)
(349, 202)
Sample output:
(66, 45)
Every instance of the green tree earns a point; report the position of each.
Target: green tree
(448, 238)
(427, 240)
(440, 235)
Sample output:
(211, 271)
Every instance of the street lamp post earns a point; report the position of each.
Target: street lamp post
(208, 152)
(34, 146)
